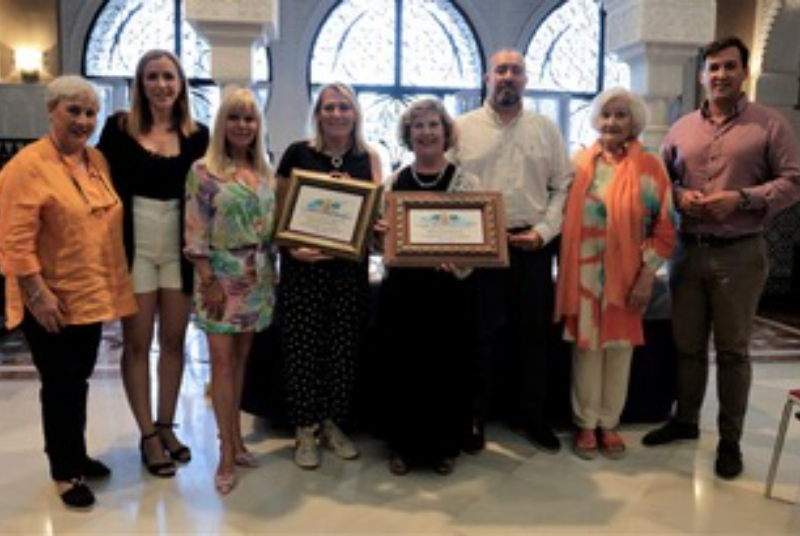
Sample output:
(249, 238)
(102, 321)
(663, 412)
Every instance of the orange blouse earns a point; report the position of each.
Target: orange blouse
(67, 228)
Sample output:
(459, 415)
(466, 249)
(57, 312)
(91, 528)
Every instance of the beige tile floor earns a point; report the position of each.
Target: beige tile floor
(509, 489)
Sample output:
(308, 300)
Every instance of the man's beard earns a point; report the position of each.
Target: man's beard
(507, 97)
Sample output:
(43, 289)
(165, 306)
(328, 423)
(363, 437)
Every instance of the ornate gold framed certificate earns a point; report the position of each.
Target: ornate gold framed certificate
(334, 215)
(467, 229)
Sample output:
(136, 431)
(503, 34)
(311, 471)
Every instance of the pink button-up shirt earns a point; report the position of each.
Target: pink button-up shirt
(755, 150)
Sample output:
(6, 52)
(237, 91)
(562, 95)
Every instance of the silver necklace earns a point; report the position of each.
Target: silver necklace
(431, 184)
(337, 161)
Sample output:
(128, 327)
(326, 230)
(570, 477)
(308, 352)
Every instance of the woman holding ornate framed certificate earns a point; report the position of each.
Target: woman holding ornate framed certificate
(426, 317)
(322, 300)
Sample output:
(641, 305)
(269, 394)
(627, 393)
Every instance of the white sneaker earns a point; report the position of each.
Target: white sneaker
(306, 453)
(333, 438)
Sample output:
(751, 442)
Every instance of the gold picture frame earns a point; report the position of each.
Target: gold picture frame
(428, 229)
(334, 215)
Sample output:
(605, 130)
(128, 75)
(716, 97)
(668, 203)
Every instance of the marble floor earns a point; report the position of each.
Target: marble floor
(511, 488)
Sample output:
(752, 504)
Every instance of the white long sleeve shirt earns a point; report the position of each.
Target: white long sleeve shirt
(526, 160)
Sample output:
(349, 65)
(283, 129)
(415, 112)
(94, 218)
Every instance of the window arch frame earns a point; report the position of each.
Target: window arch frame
(397, 91)
(565, 99)
(115, 90)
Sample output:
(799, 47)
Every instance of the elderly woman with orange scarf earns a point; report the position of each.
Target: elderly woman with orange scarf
(618, 230)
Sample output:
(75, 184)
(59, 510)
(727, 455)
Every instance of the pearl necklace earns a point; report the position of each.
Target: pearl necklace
(434, 182)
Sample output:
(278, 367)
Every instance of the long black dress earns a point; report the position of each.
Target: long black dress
(425, 323)
(321, 312)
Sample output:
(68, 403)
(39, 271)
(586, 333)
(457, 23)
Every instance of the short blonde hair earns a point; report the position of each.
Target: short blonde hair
(317, 142)
(218, 152)
(421, 107)
(636, 107)
(68, 87)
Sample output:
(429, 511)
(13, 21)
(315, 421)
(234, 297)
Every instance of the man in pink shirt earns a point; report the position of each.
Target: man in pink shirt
(734, 165)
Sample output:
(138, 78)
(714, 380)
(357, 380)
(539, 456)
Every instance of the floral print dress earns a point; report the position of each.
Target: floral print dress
(231, 223)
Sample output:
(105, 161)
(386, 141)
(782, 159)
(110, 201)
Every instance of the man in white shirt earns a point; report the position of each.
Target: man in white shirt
(522, 155)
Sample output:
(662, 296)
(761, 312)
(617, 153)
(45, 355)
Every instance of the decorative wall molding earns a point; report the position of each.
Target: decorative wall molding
(233, 13)
(231, 27)
(776, 54)
(659, 21)
(657, 38)
(776, 45)
(776, 67)
(766, 12)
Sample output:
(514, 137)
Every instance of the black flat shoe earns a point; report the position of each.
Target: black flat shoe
(398, 465)
(445, 466)
(670, 432)
(543, 438)
(475, 440)
(160, 469)
(79, 496)
(729, 464)
(181, 453)
(95, 469)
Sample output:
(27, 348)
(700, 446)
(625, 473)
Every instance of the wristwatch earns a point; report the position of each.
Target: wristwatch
(744, 200)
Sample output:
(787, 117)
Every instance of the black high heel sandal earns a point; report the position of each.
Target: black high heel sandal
(181, 454)
(159, 469)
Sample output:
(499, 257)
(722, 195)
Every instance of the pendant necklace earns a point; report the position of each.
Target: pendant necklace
(431, 184)
(337, 161)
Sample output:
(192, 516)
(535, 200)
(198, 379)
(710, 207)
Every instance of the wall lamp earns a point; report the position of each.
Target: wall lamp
(29, 62)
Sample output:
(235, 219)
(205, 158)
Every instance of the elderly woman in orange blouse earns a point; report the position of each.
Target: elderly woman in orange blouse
(618, 230)
(61, 252)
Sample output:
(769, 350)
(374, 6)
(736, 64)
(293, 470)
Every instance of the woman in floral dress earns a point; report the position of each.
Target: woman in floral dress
(229, 223)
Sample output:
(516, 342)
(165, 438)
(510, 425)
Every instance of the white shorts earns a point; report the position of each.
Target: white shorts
(157, 255)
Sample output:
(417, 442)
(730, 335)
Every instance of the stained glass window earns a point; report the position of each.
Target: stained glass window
(563, 60)
(125, 29)
(393, 52)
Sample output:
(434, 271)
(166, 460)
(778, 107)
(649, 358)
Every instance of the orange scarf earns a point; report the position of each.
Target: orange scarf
(625, 228)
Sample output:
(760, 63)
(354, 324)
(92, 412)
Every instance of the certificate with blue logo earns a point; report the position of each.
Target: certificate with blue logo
(466, 229)
(332, 214)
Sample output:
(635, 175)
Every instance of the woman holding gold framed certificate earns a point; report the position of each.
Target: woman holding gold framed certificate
(322, 301)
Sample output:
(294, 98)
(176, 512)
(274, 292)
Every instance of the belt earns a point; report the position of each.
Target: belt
(711, 241)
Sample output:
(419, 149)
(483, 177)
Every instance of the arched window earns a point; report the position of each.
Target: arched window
(567, 67)
(124, 30)
(393, 52)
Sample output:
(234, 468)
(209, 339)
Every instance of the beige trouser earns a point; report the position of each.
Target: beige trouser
(599, 386)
